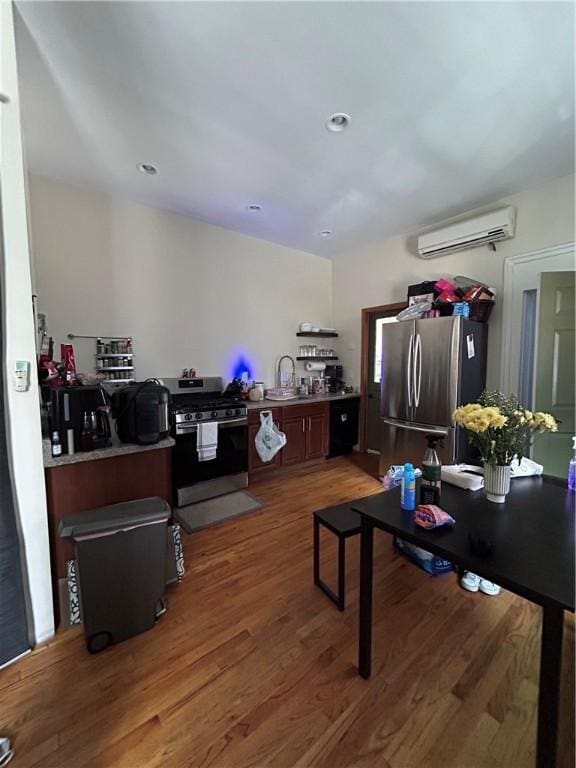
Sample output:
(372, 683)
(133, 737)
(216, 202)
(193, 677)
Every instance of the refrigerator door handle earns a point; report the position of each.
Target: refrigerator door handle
(409, 369)
(438, 431)
(417, 368)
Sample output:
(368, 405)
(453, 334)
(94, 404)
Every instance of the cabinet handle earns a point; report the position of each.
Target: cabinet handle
(309, 423)
(303, 425)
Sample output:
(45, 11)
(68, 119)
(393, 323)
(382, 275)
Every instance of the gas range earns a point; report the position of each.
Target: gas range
(195, 478)
(201, 400)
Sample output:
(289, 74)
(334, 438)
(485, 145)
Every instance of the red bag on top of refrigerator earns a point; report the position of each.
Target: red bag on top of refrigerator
(68, 363)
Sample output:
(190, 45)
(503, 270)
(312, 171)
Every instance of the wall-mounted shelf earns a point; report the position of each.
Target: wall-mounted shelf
(118, 351)
(318, 334)
(102, 355)
(310, 359)
(103, 369)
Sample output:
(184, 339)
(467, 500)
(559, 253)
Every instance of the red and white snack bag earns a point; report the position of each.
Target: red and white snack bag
(431, 516)
(68, 362)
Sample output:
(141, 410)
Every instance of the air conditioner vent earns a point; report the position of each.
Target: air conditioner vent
(482, 230)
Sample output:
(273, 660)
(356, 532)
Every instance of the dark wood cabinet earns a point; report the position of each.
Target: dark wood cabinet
(317, 436)
(306, 426)
(294, 452)
(76, 487)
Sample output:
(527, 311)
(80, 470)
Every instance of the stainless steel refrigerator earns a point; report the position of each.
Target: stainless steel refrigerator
(429, 367)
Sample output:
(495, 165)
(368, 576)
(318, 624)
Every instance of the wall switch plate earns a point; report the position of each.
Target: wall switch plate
(21, 375)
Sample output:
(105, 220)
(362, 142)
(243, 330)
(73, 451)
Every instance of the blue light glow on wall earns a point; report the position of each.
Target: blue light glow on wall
(242, 367)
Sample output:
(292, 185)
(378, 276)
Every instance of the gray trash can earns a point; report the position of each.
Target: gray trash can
(121, 557)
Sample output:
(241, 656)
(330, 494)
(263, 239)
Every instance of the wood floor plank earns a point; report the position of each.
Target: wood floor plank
(252, 666)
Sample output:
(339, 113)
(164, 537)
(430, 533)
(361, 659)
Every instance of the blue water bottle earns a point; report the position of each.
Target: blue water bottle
(408, 489)
(572, 468)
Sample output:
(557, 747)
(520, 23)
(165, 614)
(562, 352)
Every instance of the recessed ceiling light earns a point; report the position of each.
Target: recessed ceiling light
(254, 207)
(326, 233)
(338, 122)
(148, 168)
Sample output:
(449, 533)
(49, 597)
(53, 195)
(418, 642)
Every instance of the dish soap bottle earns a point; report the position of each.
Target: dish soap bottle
(431, 473)
(572, 468)
(408, 489)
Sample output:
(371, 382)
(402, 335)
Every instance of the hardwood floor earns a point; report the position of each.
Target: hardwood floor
(254, 666)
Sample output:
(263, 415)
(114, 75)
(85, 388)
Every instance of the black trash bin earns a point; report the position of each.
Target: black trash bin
(121, 558)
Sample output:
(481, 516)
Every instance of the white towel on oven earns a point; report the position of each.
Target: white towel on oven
(207, 440)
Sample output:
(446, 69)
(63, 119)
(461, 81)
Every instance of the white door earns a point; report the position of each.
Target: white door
(521, 285)
(554, 379)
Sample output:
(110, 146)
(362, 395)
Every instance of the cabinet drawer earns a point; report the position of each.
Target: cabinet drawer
(304, 411)
(254, 415)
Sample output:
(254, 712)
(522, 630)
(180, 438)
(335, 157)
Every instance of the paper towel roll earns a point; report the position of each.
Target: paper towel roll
(315, 366)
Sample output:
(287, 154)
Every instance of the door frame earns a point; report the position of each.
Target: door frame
(364, 352)
(560, 256)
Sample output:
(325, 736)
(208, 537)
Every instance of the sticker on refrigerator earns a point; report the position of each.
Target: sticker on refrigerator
(470, 345)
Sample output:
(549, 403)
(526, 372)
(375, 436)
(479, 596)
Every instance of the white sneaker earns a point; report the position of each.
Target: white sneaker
(489, 588)
(470, 581)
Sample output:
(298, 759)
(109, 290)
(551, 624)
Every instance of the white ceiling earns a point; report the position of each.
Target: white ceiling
(453, 105)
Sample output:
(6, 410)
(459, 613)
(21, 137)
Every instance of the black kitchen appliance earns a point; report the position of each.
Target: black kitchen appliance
(335, 374)
(196, 401)
(68, 406)
(343, 425)
(141, 411)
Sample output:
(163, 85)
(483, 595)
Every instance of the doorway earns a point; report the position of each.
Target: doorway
(554, 382)
(373, 319)
(538, 345)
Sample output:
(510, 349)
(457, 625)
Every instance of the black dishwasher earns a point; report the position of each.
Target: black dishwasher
(343, 425)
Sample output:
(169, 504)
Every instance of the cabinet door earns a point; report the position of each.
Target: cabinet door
(295, 449)
(317, 436)
(255, 463)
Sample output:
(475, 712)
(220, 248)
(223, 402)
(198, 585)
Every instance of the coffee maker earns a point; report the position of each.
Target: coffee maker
(69, 407)
(335, 376)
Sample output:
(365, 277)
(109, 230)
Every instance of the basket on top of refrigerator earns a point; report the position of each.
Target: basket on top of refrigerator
(461, 295)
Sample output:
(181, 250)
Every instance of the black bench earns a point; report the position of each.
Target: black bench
(343, 522)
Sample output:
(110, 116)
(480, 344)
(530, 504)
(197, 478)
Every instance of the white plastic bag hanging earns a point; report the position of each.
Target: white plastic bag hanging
(269, 440)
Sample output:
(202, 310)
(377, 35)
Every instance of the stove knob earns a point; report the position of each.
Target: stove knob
(237, 412)
(188, 416)
(214, 414)
(198, 415)
(229, 413)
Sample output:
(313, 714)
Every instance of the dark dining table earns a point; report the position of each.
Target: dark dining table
(525, 545)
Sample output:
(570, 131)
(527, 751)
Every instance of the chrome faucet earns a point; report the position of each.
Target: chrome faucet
(279, 371)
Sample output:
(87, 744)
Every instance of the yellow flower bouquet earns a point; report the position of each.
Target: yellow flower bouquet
(500, 428)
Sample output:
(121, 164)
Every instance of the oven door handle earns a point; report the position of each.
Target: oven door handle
(184, 427)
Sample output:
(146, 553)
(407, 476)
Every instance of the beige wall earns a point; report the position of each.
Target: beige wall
(197, 295)
(191, 294)
(379, 273)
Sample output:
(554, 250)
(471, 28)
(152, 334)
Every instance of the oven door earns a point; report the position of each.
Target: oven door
(196, 480)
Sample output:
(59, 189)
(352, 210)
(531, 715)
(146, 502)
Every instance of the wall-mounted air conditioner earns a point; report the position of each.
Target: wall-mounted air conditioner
(481, 230)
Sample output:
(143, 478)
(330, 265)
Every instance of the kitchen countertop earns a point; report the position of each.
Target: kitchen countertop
(298, 401)
(120, 449)
(116, 449)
